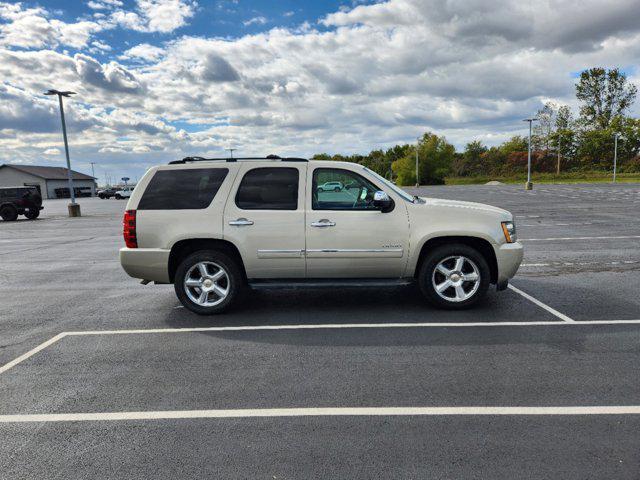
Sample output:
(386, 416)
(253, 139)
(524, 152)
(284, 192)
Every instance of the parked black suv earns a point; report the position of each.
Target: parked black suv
(16, 201)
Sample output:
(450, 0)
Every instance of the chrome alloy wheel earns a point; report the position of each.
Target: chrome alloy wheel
(456, 278)
(206, 284)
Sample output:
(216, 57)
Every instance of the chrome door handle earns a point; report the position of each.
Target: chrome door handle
(240, 222)
(323, 223)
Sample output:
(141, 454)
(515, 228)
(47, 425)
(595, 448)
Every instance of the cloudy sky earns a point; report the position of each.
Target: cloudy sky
(160, 79)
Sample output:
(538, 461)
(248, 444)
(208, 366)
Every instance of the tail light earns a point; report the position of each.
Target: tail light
(129, 229)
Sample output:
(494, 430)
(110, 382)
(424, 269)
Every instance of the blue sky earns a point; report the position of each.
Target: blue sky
(161, 79)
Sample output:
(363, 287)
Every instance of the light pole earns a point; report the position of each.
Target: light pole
(74, 208)
(529, 185)
(417, 174)
(231, 150)
(93, 173)
(615, 155)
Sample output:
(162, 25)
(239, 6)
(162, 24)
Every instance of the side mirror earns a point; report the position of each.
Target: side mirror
(382, 201)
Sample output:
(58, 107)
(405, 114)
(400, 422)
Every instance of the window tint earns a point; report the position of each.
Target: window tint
(182, 189)
(8, 193)
(337, 189)
(269, 189)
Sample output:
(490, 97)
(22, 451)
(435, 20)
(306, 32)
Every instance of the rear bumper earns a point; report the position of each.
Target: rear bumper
(509, 257)
(146, 263)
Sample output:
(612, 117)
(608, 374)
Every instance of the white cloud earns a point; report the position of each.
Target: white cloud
(255, 21)
(162, 16)
(110, 77)
(31, 28)
(143, 51)
(52, 151)
(103, 4)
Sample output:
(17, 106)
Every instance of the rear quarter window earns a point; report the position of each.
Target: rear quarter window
(193, 188)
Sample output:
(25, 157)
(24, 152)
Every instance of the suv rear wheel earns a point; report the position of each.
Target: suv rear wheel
(9, 213)
(454, 277)
(208, 282)
(32, 213)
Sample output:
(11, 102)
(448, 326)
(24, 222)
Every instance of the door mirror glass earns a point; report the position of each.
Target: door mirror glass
(382, 201)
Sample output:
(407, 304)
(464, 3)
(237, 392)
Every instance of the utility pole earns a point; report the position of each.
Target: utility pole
(615, 155)
(529, 185)
(73, 207)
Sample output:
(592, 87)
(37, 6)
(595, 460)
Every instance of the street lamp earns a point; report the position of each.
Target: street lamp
(231, 150)
(93, 173)
(615, 155)
(417, 174)
(529, 185)
(74, 208)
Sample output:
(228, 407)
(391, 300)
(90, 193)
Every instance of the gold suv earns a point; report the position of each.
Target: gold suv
(214, 227)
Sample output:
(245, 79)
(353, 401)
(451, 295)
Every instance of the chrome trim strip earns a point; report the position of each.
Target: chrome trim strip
(356, 250)
(278, 253)
(355, 253)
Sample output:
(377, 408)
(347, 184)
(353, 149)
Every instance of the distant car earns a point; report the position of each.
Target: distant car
(107, 193)
(331, 186)
(124, 192)
(16, 201)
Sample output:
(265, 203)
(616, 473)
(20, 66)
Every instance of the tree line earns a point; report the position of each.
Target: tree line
(560, 142)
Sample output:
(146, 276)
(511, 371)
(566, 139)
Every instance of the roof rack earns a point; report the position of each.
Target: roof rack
(229, 159)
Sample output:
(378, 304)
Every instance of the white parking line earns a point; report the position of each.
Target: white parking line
(332, 326)
(321, 412)
(31, 352)
(580, 264)
(576, 238)
(549, 309)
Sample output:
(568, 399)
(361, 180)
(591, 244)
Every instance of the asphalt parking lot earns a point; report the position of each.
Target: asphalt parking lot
(103, 377)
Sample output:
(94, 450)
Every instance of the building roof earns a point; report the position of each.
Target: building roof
(49, 173)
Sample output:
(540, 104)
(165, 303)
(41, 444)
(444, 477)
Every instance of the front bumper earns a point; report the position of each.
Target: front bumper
(146, 263)
(509, 257)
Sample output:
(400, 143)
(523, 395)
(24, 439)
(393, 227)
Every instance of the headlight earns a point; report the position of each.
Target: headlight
(509, 229)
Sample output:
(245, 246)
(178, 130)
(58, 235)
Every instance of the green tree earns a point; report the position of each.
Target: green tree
(604, 94)
(471, 161)
(435, 157)
(563, 138)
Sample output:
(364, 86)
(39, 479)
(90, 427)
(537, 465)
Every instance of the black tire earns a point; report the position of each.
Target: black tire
(32, 213)
(234, 281)
(9, 213)
(426, 276)
(118, 197)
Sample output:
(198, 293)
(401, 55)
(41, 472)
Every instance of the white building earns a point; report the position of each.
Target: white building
(50, 181)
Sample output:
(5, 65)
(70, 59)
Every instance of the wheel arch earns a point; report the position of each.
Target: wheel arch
(183, 248)
(480, 244)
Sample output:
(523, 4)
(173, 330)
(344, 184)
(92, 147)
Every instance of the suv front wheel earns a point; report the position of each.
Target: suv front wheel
(208, 282)
(454, 277)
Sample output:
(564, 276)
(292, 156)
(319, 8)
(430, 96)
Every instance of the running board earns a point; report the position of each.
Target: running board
(329, 283)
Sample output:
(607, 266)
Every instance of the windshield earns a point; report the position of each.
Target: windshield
(393, 187)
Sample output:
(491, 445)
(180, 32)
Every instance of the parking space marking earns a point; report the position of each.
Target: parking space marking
(577, 238)
(549, 309)
(31, 352)
(322, 412)
(542, 323)
(579, 264)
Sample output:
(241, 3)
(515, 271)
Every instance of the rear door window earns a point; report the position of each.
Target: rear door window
(269, 188)
(193, 188)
